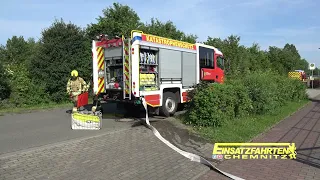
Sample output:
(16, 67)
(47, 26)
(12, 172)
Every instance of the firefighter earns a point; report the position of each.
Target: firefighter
(76, 85)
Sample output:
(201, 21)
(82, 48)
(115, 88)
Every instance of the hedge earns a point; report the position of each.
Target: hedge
(255, 93)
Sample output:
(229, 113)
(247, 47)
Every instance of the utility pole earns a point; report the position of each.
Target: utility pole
(312, 66)
(312, 78)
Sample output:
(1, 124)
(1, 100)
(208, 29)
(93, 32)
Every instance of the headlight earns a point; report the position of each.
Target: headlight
(101, 73)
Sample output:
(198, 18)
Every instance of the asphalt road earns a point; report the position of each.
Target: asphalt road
(28, 130)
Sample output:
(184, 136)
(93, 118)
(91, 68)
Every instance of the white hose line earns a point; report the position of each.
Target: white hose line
(192, 157)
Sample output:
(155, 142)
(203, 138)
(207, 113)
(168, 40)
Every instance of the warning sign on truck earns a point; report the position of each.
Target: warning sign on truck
(168, 42)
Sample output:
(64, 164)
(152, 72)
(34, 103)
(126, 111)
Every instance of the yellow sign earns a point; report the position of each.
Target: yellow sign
(254, 151)
(295, 75)
(168, 42)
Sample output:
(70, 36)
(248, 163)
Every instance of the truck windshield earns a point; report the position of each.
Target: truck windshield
(220, 62)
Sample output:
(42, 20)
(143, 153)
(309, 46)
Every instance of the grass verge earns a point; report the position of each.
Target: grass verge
(33, 108)
(244, 129)
(38, 107)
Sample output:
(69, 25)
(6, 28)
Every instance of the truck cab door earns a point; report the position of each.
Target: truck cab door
(210, 70)
(219, 70)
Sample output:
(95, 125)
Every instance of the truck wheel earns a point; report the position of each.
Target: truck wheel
(169, 104)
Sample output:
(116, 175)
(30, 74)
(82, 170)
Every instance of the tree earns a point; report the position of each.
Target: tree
(15, 51)
(275, 56)
(168, 30)
(291, 57)
(286, 59)
(16, 55)
(249, 59)
(232, 50)
(258, 58)
(116, 20)
(18, 51)
(4, 84)
(64, 47)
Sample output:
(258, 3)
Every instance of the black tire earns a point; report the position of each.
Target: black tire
(169, 104)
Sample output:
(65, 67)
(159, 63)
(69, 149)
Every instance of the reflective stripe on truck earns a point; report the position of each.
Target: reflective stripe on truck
(101, 80)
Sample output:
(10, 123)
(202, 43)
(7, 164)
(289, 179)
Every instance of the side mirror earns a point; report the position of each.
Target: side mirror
(228, 65)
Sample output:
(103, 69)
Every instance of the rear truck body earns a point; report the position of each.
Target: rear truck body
(298, 74)
(159, 69)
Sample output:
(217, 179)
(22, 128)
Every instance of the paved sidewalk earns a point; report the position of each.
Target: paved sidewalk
(302, 128)
(313, 93)
(133, 153)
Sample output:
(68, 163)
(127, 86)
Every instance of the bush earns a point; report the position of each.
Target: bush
(298, 91)
(243, 104)
(263, 92)
(212, 105)
(285, 89)
(4, 84)
(24, 91)
(254, 93)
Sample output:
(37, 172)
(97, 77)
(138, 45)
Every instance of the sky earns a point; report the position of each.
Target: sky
(266, 22)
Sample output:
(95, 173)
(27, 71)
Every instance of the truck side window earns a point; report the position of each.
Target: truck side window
(220, 62)
(206, 57)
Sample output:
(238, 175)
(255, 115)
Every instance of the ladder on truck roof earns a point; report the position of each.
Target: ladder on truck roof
(126, 68)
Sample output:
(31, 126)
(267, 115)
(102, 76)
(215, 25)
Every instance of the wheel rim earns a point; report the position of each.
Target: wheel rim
(170, 105)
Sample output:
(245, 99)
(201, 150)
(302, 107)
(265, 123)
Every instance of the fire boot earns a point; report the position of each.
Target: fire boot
(74, 109)
(94, 108)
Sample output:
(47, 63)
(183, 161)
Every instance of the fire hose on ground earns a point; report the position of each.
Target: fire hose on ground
(92, 120)
(192, 157)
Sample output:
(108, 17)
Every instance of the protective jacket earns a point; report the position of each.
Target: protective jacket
(77, 86)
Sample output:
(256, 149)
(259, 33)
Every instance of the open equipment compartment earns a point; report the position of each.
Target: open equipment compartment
(148, 68)
(114, 65)
(113, 55)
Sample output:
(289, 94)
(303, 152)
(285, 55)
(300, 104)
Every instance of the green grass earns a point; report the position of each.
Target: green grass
(32, 108)
(245, 129)
(37, 107)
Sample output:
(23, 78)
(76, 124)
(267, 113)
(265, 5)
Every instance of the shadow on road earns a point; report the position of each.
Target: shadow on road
(309, 156)
(174, 132)
(182, 138)
(167, 127)
(315, 100)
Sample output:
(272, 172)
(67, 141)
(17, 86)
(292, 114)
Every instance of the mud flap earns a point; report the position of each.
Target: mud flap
(192, 157)
(86, 120)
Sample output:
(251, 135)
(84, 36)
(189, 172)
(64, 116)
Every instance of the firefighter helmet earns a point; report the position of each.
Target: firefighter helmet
(74, 73)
